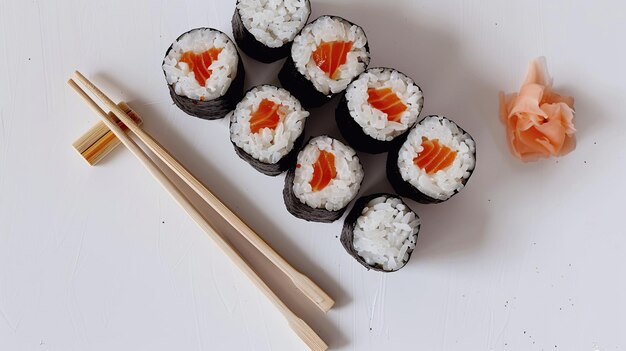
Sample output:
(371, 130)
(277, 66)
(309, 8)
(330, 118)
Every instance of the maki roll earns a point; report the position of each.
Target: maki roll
(204, 73)
(380, 232)
(325, 57)
(378, 108)
(264, 30)
(267, 129)
(326, 177)
(434, 163)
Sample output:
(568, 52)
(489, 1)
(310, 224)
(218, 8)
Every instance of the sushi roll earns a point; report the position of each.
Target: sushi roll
(434, 163)
(204, 73)
(380, 232)
(378, 108)
(326, 177)
(325, 57)
(264, 30)
(267, 129)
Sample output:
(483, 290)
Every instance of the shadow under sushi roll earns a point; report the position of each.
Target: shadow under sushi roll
(198, 91)
(380, 232)
(316, 73)
(267, 129)
(275, 34)
(434, 162)
(378, 109)
(326, 178)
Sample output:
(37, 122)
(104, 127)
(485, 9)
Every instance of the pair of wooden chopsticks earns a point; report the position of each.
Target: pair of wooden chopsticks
(303, 283)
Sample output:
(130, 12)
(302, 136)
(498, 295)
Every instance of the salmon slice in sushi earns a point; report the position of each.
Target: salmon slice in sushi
(380, 232)
(331, 55)
(434, 156)
(378, 109)
(265, 30)
(204, 73)
(434, 163)
(326, 178)
(267, 129)
(326, 56)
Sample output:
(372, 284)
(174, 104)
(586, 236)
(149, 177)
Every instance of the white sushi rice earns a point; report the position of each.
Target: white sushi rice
(373, 121)
(224, 69)
(341, 190)
(445, 182)
(268, 145)
(385, 233)
(273, 22)
(330, 29)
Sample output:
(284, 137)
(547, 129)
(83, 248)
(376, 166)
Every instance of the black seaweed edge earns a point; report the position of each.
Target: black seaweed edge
(254, 48)
(404, 188)
(347, 232)
(304, 211)
(353, 132)
(210, 109)
(302, 88)
(270, 169)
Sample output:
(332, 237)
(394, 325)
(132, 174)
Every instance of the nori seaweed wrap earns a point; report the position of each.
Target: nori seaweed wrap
(275, 34)
(313, 72)
(434, 162)
(378, 109)
(267, 129)
(380, 232)
(196, 89)
(326, 178)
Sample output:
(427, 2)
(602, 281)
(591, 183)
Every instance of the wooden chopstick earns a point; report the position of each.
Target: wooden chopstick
(301, 281)
(303, 330)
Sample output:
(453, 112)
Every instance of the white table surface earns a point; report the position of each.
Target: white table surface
(527, 257)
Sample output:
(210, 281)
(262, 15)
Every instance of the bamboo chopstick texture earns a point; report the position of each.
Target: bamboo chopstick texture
(304, 331)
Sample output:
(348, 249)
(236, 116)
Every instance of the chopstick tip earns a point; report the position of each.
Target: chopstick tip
(78, 75)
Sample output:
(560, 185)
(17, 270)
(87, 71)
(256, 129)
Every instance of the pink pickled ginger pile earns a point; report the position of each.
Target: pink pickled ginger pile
(539, 122)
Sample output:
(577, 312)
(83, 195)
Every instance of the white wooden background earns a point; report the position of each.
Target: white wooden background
(528, 257)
